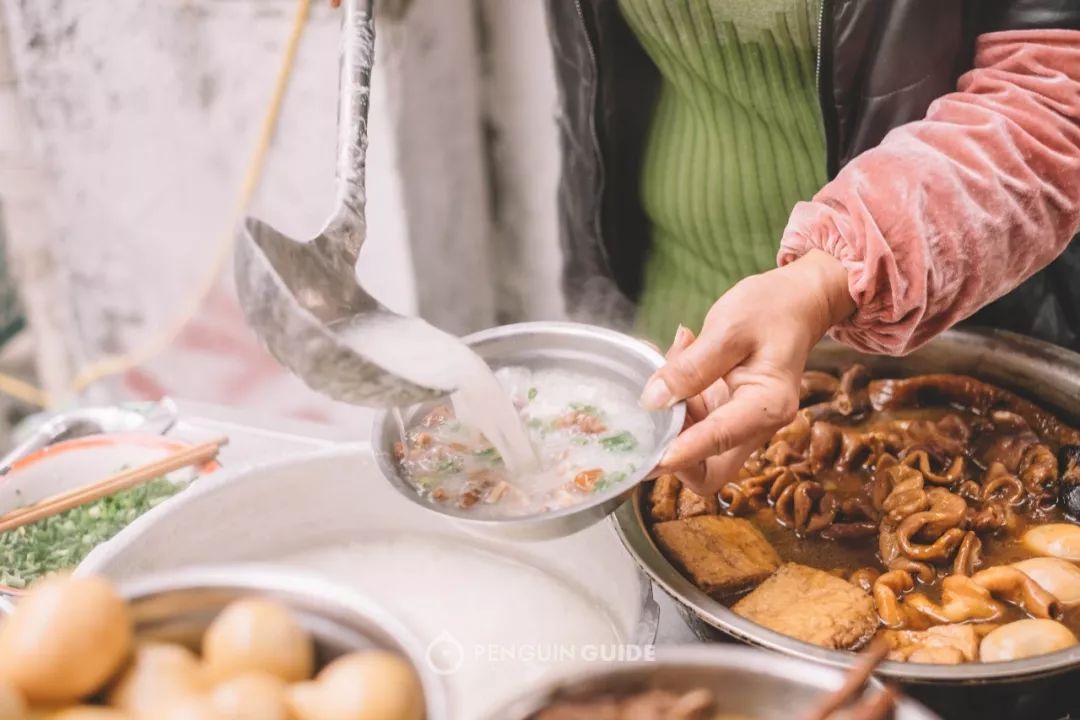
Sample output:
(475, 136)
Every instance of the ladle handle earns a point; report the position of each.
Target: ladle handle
(347, 226)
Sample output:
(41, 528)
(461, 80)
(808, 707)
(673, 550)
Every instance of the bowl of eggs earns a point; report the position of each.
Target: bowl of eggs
(224, 643)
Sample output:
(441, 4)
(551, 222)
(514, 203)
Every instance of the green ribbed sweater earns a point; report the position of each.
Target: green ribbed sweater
(736, 141)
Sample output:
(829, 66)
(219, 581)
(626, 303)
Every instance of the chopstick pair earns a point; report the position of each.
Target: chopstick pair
(878, 707)
(123, 480)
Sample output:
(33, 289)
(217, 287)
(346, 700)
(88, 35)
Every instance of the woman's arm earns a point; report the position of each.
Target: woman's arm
(947, 214)
(951, 212)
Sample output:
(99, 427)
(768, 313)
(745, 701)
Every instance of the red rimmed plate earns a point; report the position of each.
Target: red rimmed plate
(72, 463)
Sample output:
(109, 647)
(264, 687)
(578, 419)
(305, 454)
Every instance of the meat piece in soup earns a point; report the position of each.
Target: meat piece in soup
(942, 644)
(952, 502)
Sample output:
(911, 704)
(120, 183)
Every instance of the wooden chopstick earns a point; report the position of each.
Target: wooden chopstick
(868, 661)
(123, 480)
(878, 707)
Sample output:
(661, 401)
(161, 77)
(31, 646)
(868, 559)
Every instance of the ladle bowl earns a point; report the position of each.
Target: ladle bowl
(302, 297)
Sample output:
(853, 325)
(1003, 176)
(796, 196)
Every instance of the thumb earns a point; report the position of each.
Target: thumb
(683, 337)
(694, 368)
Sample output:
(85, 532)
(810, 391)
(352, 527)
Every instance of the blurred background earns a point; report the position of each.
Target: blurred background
(127, 129)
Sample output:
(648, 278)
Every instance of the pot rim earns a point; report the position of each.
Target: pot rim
(281, 583)
(784, 668)
(1034, 362)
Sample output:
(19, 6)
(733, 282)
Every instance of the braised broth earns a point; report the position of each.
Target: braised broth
(919, 491)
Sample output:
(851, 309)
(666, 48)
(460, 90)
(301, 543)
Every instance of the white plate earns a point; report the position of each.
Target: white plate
(70, 464)
(337, 499)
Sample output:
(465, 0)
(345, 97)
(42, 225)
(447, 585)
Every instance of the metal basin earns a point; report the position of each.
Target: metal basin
(590, 350)
(178, 606)
(745, 681)
(334, 498)
(1043, 373)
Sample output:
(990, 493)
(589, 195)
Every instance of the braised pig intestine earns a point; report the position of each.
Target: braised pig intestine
(904, 455)
(851, 396)
(968, 555)
(981, 398)
(977, 598)
(806, 507)
(1069, 482)
(934, 468)
(816, 385)
(999, 483)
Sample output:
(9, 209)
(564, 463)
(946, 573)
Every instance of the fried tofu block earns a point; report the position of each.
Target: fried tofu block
(720, 554)
(691, 504)
(941, 644)
(663, 498)
(813, 606)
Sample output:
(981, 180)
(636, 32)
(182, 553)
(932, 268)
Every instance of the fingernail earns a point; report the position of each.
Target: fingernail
(671, 457)
(657, 395)
(679, 335)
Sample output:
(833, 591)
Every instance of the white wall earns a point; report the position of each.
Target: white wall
(140, 119)
(521, 106)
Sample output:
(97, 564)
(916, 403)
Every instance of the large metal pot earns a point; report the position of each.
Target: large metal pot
(1044, 373)
(745, 682)
(178, 606)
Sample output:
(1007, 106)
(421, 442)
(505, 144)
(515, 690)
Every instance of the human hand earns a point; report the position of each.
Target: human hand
(740, 378)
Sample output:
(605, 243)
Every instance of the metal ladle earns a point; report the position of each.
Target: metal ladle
(303, 298)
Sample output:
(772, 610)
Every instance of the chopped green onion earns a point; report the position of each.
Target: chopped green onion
(532, 394)
(450, 465)
(609, 480)
(488, 454)
(623, 442)
(62, 541)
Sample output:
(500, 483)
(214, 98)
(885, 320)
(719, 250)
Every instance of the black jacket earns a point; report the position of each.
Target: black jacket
(881, 64)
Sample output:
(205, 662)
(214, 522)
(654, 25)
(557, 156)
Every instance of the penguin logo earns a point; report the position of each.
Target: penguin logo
(445, 655)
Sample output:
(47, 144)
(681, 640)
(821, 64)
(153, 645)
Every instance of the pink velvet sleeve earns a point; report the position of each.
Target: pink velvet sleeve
(953, 211)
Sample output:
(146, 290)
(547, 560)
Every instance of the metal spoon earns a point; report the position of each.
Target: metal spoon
(302, 297)
(151, 418)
